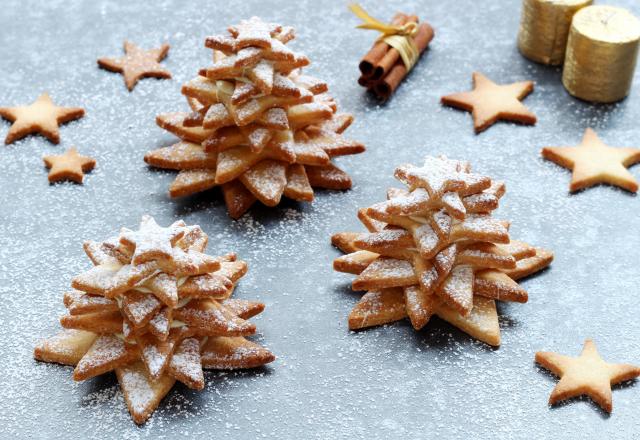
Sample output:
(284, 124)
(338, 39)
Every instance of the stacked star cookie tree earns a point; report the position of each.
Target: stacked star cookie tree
(155, 309)
(434, 249)
(259, 128)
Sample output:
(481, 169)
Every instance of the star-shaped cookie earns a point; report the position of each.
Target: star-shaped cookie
(152, 241)
(43, 117)
(490, 102)
(68, 166)
(587, 374)
(595, 162)
(137, 63)
(254, 32)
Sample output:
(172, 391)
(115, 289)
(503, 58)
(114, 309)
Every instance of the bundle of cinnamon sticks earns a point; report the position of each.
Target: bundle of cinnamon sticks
(382, 68)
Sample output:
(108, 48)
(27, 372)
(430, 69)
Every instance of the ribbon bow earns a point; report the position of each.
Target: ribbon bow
(396, 36)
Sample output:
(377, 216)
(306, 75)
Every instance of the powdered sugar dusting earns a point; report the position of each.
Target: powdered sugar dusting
(386, 382)
(186, 358)
(155, 358)
(105, 349)
(140, 308)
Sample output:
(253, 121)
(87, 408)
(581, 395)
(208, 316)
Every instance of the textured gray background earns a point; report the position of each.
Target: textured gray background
(388, 382)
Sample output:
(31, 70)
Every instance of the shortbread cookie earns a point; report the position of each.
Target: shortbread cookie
(259, 129)
(68, 166)
(155, 309)
(490, 102)
(594, 162)
(138, 63)
(42, 117)
(587, 375)
(434, 249)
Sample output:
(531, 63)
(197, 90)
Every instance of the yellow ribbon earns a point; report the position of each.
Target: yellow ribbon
(398, 37)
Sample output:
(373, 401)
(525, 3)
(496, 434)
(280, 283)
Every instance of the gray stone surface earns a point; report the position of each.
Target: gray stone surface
(388, 382)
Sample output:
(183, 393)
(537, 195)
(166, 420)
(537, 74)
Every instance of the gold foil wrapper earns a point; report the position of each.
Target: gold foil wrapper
(601, 54)
(544, 28)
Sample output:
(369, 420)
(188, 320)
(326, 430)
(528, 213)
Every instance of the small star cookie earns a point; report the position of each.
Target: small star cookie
(490, 102)
(587, 374)
(152, 241)
(595, 162)
(254, 32)
(68, 166)
(137, 63)
(43, 117)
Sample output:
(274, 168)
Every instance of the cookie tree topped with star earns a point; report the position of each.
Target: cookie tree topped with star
(258, 128)
(433, 248)
(155, 309)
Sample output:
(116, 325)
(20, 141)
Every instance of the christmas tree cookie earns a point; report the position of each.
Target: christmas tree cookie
(433, 248)
(258, 128)
(155, 309)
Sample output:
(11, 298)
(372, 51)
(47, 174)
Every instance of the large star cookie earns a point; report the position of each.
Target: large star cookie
(68, 166)
(43, 117)
(138, 63)
(587, 374)
(594, 162)
(490, 102)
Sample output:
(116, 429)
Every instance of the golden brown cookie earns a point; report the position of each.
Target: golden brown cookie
(258, 128)
(594, 162)
(587, 374)
(155, 309)
(42, 117)
(434, 249)
(490, 102)
(138, 63)
(68, 166)
(67, 347)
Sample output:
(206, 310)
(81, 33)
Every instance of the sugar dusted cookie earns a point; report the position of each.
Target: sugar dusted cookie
(155, 309)
(138, 63)
(434, 249)
(258, 128)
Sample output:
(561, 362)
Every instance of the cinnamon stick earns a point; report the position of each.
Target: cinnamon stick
(379, 49)
(389, 83)
(390, 58)
(365, 82)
